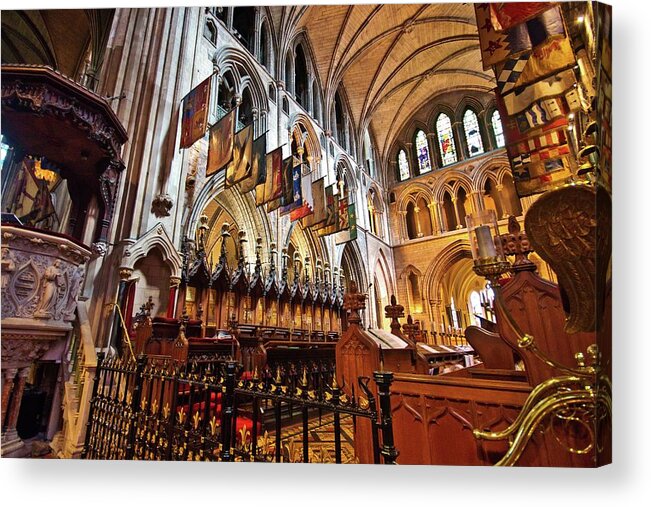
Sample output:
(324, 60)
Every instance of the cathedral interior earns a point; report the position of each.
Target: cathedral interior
(306, 234)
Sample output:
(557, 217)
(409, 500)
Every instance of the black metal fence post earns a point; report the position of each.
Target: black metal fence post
(93, 401)
(383, 379)
(227, 411)
(136, 394)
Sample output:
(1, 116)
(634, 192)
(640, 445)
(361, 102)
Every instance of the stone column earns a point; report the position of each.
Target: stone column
(413, 169)
(436, 226)
(11, 442)
(477, 202)
(460, 141)
(506, 207)
(419, 231)
(254, 120)
(402, 217)
(435, 156)
(263, 121)
(456, 213)
(393, 164)
(442, 216)
(8, 377)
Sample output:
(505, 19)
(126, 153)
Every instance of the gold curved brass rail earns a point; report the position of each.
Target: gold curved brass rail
(536, 415)
(124, 327)
(576, 398)
(536, 396)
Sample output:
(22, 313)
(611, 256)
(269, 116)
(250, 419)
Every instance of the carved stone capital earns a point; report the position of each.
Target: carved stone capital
(161, 205)
(99, 248)
(125, 273)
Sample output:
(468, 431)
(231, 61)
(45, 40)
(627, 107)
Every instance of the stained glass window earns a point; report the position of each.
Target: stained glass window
(473, 137)
(403, 165)
(496, 121)
(446, 140)
(422, 152)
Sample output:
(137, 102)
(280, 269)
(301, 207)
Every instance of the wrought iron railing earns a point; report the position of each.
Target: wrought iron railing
(152, 409)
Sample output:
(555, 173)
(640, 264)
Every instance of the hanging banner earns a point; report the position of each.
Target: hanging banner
(240, 166)
(194, 119)
(497, 46)
(220, 148)
(272, 187)
(258, 165)
(319, 204)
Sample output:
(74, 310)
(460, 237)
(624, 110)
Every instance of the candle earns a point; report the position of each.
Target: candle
(485, 245)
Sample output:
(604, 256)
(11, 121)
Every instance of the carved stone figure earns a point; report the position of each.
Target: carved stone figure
(76, 281)
(8, 267)
(52, 279)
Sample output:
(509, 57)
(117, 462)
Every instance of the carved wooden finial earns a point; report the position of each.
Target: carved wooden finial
(411, 329)
(394, 311)
(353, 302)
(516, 243)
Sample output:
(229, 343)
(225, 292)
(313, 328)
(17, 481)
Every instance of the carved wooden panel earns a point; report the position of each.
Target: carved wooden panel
(535, 305)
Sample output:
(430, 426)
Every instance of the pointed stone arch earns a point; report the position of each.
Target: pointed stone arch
(158, 238)
(240, 64)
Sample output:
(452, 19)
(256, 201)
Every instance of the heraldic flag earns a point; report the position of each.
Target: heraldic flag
(272, 186)
(240, 166)
(194, 118)
(220, 149)
(258, 165)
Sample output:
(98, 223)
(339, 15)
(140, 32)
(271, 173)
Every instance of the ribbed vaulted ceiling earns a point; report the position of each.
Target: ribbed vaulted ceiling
(391, 58)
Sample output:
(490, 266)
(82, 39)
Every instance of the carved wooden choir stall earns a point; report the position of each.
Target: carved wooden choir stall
(258, 317)
(553, 413)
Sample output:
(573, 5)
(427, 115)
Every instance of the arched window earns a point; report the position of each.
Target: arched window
(445, 136)
(210, 31)
(316, 103)
(412, 224)
(339, 119)
(422, 152)
(369, 159)
(225, 96)
(448, 211)
(492, 198)
(300, 78)
(374, 213)
(342, 182)
(220, 13)
(473, 136)
(415, 297)
(265, 46)
(461, 207)
(403, 165)
(424, 218)
(455, 316)
(498, 131)
(289, 76)
(510, 201)
(245, 111)
(243, 21)
(476, 308)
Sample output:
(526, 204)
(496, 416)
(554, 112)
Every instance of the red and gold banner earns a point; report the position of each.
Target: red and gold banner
(194, 120)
